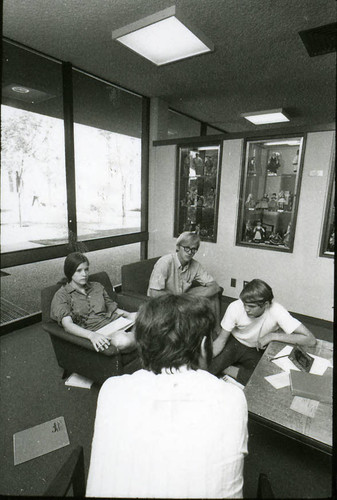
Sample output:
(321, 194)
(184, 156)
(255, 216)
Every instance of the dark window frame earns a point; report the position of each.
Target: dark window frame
(21, 257)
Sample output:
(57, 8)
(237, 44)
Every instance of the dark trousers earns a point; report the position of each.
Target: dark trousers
(246, 358)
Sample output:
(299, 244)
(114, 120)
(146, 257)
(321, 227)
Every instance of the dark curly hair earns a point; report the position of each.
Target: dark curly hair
(169, 331)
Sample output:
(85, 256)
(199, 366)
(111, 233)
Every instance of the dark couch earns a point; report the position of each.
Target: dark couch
(135, 281)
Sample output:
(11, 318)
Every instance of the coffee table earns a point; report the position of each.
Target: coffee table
(271, 407)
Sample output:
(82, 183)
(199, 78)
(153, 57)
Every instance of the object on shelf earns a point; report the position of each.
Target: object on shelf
(281, 201)
(273, 164)
(295, 160)
(259, 233)
(250, 202)
(275, 239)
(272, 203)
(198, 164)
(249, 231)
(286, 238)
(263, 203)
(251, 166)
(210, 168)
(210, 198)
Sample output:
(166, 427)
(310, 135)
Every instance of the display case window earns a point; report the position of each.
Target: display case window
(197, 193)
(328, 240)
(269, 193)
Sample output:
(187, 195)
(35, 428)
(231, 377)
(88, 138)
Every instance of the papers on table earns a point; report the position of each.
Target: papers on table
(282, 379)
(279, 380)
(285, 363)
(318, 367)
(304, 406)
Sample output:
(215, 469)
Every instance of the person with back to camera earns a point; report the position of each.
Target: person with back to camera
(82, 307)
(171, 430)
(249, 324)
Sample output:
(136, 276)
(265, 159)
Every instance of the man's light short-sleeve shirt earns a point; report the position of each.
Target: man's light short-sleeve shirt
(172, 435)
(248, 330)
(169, 275)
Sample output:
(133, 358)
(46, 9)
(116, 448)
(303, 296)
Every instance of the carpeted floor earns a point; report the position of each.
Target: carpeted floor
(10, 312)
(32, 392)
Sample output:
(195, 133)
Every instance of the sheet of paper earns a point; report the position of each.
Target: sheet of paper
(39, 440)
(279, 380)
(304, 406)
(319, 365)
(76, 380)
(284, 363)
(118, 324)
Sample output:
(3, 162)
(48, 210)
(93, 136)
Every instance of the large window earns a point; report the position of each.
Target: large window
(107, 134)
(33, 187)
(72, 161)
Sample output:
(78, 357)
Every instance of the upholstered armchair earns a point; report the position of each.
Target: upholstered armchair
(77, 354)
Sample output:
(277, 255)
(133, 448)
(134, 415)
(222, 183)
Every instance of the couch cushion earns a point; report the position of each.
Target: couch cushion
(136, 276)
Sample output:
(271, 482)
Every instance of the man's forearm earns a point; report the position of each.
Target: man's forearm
(157, 293)
(293, 338)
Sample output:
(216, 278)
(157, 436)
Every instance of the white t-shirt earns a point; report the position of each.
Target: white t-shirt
(172, 435)
(248, 330)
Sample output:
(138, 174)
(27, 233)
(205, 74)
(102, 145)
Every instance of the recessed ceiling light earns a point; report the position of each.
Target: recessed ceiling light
(164, 37)
(20, 90)
(264, 117)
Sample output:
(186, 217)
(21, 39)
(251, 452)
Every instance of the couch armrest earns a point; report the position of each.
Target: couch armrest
(55, 330)
(130, 301)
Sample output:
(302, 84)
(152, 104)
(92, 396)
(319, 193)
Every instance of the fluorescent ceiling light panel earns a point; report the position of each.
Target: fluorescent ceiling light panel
(264, 117)
(163, 37)
(283, 143)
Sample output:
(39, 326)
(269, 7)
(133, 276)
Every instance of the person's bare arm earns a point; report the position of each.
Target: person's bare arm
(157, 293)
(301, 336)
(220, 342)
(205, 291)
(98, 341)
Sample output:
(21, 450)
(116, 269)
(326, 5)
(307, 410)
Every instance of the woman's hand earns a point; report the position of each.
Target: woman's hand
(99, 341)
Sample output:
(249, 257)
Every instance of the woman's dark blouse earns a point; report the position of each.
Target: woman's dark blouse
(88, 311)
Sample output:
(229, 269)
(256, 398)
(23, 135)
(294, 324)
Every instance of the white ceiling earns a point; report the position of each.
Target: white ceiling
(259, 61)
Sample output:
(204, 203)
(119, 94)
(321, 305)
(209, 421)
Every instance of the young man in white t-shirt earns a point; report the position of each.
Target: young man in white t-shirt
(248, 325)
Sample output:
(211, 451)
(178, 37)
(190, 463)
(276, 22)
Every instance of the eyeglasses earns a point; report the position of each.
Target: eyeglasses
(189, 250)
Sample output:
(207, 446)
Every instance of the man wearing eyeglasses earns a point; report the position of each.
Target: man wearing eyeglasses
(180, 273)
